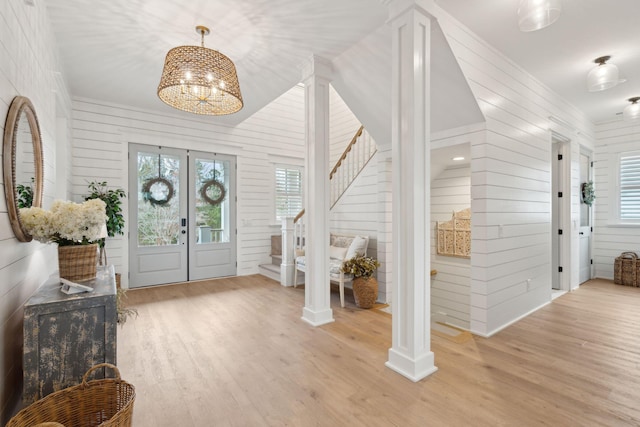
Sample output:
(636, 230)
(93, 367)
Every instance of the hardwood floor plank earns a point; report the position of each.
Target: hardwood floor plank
(234, 352)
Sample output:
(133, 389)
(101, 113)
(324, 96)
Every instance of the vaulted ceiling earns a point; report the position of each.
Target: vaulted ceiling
(114, 50)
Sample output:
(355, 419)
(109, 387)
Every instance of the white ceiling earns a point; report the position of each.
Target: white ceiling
(114, 50)
(562, 54)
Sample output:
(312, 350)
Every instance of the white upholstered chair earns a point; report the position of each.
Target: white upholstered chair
(342, 247)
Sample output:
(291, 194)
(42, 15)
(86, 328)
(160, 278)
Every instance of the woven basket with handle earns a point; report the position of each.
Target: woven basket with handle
(626, 270)
(104, 402)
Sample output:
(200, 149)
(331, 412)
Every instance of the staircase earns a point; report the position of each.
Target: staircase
(353, 160)
(272, 271)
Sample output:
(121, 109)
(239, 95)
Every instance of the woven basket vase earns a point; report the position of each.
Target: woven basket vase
(365, 291)
(78, 262)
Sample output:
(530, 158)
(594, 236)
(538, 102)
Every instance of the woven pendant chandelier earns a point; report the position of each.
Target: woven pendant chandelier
(200, 80)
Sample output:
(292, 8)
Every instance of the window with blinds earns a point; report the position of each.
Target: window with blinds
(288, 191)
(630, 186)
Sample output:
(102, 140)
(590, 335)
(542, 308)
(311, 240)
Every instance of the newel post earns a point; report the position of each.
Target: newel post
(288, 252)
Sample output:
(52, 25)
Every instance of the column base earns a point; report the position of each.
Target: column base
(414, 369)
(286, 274)
(317, 318)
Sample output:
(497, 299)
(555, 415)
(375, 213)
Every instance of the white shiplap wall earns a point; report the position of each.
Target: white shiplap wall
(28, 60)
(342, 126)
(611, 239)
(360, 211)
(510, 176)
(451, 287)
(101, 134)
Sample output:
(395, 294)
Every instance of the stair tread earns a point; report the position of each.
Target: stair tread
(272, 267)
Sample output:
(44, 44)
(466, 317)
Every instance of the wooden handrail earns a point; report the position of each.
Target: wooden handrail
(337, 165)
(300, 215)
(346, 151)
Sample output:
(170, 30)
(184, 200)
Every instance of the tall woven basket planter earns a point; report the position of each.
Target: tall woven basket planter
(365, 291)
(78, 262)
(626, 269)
(104, 402)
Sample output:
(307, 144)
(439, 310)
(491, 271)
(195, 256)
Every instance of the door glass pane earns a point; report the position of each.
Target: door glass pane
(585, 210)
(212, 203)
(158, 199)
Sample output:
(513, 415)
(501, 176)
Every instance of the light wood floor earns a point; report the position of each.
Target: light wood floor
(234, 352)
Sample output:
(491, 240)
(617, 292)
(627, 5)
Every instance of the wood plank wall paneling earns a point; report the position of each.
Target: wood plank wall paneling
(28, 58)
(610, 240)
(451, 287)
(101, 134)
(513, 160)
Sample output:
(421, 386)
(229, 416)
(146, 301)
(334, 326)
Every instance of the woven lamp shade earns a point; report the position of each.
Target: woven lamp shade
(201, 81)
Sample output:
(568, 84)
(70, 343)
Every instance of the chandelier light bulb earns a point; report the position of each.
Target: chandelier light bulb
(535, 15)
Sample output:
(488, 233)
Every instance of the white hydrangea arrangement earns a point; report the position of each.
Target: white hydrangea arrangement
(66, 223)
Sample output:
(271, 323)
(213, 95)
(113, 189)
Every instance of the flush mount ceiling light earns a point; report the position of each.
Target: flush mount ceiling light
(603, 76)
(200, 80)
(632, 111)
(536, 14)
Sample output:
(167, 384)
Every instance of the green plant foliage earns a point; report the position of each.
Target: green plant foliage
(123, 311)
(113, 199)
(588, 193)
(360, 266)
(25, 195)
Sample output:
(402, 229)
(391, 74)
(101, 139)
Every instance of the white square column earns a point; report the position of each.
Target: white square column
(316, 77)
(410, 354)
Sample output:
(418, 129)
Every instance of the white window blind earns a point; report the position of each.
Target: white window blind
(630, 186)
(288, 192)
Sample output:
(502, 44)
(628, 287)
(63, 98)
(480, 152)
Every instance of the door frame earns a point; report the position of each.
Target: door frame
(561, 213)
(185, 189)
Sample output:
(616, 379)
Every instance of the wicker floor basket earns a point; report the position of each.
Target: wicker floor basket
(626, 269)
(104, 402)
(78, 262)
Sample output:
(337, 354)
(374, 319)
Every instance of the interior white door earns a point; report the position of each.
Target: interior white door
(585, 223)
(212, 218)
(158, 214)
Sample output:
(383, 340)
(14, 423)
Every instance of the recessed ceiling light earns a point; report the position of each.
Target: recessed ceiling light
(457, 158)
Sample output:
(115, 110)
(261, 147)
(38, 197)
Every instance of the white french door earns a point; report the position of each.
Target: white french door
(182, 211)
(212, 242)
(585, 222)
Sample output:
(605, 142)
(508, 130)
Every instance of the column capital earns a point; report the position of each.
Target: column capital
(398, 8)
(317, 66)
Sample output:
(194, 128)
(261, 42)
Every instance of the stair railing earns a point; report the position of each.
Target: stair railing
(352, 161)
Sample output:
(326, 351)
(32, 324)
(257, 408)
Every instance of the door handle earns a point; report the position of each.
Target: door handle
(184, 222)
(581, 233)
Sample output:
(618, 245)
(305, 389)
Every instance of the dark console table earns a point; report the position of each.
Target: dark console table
(65, 335)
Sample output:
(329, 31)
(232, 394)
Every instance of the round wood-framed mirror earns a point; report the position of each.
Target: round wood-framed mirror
(22, 162)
